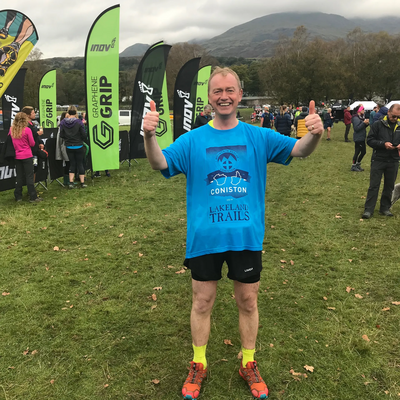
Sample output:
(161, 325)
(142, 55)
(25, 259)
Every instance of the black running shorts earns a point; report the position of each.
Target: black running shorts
(243, 266)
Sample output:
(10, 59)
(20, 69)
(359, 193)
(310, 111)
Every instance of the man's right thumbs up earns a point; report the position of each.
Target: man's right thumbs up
(150, 120)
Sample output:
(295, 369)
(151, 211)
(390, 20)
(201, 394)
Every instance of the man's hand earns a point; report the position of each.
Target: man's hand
(150, 121)
(41, 146)
(389, 146)
(313, 121)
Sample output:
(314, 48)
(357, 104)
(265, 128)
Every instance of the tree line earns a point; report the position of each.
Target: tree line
(361, 66)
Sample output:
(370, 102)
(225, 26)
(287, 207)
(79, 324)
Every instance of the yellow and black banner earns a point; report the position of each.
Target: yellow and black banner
(18, 36)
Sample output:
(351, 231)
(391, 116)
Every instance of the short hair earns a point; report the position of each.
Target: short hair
(304, 109)
(393, 106)
(224, 72)
(27, 110)
(207, 107)
(72, 110)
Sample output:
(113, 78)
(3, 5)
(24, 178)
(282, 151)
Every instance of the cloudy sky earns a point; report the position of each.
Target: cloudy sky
(63, 25)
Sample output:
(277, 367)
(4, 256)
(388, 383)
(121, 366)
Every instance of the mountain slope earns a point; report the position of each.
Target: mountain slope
(258, 37)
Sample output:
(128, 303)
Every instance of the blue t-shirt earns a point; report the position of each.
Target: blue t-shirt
(226, 173)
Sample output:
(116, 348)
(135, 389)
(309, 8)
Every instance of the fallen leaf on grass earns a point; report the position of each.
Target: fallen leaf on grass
(331, 308)
(154, 306)
(140, 254)
(155, 381)
(26, 351)
(386, 309)
(34, 352)
(154, 297)
(228, 342)
(325, 298)
(170, 266)
(348, 289)
(157, 288)
(11, 367)
(120, 235)
(338, 216)
(283, 261)
(366, 338)
(271, 345)
(5, 294)
(135, 242)
(182, 271)
(56, 248)
(52, 381)
(309, 368)
(350, 260)
(240, 355)
(396, 303)
(358, 296)
(291, 262)
(106, 385)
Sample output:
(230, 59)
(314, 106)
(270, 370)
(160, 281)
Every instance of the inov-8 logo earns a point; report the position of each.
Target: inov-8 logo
(103, 47)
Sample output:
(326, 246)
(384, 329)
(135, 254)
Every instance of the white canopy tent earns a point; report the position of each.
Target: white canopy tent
(391, 103)
(368, 105)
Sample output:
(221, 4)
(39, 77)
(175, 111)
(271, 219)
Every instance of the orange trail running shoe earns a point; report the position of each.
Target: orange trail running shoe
(253, 378)
(191, 387)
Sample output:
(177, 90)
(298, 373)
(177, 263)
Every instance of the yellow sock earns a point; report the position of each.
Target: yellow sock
(248, 355)
(200, 355)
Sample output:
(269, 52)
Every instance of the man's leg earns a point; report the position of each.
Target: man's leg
(246, 295)
(374, 184)
(204, 294)
(389, 179)
(346, 133)
(246, 299)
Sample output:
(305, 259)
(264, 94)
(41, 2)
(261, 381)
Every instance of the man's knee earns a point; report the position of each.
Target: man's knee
(247, 302)
(202, 304)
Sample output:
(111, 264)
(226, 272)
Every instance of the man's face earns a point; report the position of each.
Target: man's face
(394, 115)
(207, 111)
(224, 95)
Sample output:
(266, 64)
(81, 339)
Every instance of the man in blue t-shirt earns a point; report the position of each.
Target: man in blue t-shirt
(225, 165)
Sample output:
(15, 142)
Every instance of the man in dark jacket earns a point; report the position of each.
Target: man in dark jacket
(384, 138)
(347, 122)
(381, 113)
(203, 118)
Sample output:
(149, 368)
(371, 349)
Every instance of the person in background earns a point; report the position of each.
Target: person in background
(300, 123)
(384, 138)
(347, 122)
(360, 124)
(267, 119)
(74, 134)
(204, 117)
(328, 122)
(23, 142)
(283, 123)
(381, 113)
(372, 114)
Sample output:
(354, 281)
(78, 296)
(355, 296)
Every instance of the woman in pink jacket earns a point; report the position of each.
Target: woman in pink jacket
(23, 142)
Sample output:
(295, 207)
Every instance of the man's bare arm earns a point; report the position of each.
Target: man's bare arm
(153, 151)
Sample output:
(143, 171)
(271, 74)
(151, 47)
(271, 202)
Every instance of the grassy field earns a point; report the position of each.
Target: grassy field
(94, 303)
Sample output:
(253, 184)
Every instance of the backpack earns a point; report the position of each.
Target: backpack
(267, 120)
